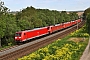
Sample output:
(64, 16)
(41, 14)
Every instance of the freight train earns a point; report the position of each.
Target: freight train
(22, 36)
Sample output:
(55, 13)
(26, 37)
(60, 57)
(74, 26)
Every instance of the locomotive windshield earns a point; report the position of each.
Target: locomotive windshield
(18, 34)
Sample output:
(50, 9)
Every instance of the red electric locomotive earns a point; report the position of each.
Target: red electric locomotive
(30, 34)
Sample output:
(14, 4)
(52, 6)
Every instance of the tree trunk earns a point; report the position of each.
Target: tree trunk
(0, 43)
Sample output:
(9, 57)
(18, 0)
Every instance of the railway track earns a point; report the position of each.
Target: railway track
(8, 48)
(27, 48)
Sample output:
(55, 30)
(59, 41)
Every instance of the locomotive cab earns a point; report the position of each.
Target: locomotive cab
(18, 37)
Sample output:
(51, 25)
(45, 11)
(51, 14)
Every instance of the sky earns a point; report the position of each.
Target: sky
(59, 5)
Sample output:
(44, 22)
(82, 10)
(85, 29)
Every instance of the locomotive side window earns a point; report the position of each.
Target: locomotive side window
(18, 34)
(51, 27)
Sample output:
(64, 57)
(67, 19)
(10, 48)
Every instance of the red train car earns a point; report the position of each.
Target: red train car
(29, 34)
(73, 22)
(67, 24)
(56, 27)
(79, 20)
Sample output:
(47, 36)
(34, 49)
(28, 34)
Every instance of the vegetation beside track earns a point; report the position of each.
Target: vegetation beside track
(64, 49)
(4, 47)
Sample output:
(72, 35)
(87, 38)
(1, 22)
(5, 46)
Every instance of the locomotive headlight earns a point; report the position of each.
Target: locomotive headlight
(15, 37)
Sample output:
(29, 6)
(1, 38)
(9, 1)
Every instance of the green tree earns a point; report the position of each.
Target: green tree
(88, 26)
(73, 16)
(10, 29)
(86, 13)
(8, 25)
(2, 29)
(88, 23)
(3, 11)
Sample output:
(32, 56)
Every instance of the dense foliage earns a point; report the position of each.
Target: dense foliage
(88, 23)
(87, 17)
(86, 12)
(62, 49)
(33, 18)
(81, 32)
